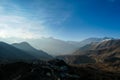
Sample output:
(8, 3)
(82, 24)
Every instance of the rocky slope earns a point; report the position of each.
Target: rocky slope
(55, 70)
(104, 51)
(39, 70)
(107, 51)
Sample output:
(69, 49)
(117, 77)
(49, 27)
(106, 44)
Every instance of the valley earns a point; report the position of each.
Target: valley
(98, 60)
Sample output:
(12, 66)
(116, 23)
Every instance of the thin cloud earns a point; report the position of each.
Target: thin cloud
(14, 23)
(16, 26)
(33, 21)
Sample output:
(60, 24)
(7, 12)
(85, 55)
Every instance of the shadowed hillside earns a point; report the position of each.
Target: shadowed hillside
(8, 52)
(38, 54)
(56, 70)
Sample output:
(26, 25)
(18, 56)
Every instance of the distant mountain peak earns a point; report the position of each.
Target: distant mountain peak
(9, 52)
(47, 38)
(51, 37)
(39, 54)
(25, 44)
(108, 38)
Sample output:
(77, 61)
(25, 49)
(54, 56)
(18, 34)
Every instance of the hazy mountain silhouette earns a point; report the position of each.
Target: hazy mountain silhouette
(61, 47)
(53, 46)
(39, 54)
(88, 41)
(8, 52)
(56, 46)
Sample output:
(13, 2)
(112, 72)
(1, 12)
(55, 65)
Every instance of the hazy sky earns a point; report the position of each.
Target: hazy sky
(62, 19)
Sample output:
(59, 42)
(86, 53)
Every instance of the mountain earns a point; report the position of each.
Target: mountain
(8, 52)
(92, 45)
(88, 41)
(60, 47)
(83, 50)
(85, 42)
(57, 47)
(105, 51)
(39, 54)
(53, 46)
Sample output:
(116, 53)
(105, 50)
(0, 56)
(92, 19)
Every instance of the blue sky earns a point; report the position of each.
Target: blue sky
(62, 19)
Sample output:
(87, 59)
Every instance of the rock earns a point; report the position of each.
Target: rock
(51, 70)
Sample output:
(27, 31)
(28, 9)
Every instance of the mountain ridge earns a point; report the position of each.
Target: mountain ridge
(8, 52)
(39, 54)
(104, 51)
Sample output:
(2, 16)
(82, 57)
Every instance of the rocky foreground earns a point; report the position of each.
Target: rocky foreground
(55, 70)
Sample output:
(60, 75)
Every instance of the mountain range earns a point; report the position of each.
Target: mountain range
(57, 47)
(103, 51)
(39, 54)
(54, 46)
(8, 52)
(21, 52)
(98, 60)
(88, 50)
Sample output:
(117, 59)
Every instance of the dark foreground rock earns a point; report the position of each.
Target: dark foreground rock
(53, 70)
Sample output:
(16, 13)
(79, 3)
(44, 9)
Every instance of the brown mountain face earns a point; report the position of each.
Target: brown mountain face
(105, 51)
(108, 51)
(85, 49)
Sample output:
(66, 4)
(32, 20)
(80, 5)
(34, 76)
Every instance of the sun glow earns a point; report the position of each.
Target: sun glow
(21, 27)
